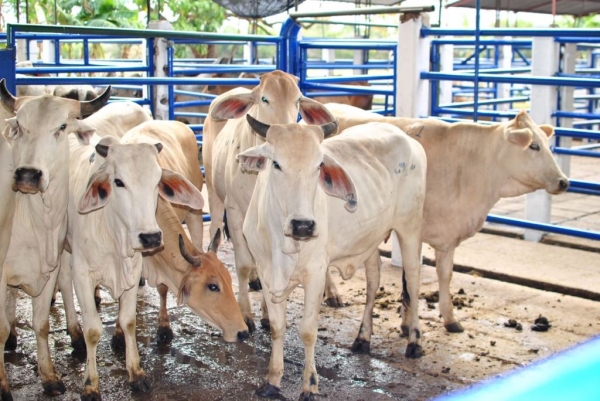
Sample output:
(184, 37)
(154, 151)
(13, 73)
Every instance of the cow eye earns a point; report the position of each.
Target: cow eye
(119, 183)
(276, 165)
(321, 165)
(63, 127)
(264, 100)
(214, 288)
(534, 146)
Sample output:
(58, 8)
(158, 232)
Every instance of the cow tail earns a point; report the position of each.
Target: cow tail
(226, 227)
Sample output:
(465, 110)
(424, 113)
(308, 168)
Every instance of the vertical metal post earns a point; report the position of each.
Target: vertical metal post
(160, 97)
(569, 57)
(476, 82)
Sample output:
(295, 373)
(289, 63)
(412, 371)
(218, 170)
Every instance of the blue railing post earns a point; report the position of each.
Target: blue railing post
(8, 59)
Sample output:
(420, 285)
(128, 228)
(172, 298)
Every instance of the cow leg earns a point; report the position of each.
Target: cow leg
(195, 226)
(117, 342)
(244, 263)
(277, 321)
(65, 284)
(11, 309)
(51, 380)
(444, 264)
(137, 376)
(216, 206)
(5, 393)
(362, 343)
(332, 297)
(313, 292)
(92, 327)
(164, 333)
(254, 281)
(410, 246)
(264, 319)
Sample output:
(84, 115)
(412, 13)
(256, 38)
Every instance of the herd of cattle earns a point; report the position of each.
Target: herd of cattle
(95, 194)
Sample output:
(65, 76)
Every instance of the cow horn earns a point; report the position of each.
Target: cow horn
(258, 127)
(216, 241)
(87, 108)
(329, 128)
(192, 260)
(8, 100)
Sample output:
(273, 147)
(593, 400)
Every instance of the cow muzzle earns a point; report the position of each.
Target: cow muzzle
(303, 229)
(561, 186)
(28, 180)
(150, 241)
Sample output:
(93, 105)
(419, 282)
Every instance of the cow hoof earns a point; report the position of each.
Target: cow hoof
(404, 331)
(117, 343)
(255, 285)
(267, 390)
(414, 351)
(454, 328)
(98, 301)
(164, 335)
(251, 325)
(93, 396)
(361, 346)
(6, 395)
(265, 324)
(78, 344)
(334, 302)
(141, 385)
(142, 282)
(53, 388)
(307, 396)
(11, 343)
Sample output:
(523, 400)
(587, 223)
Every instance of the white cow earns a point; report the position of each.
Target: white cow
(38, 138)
(168, 268)
(331, 203)
(113, 191)
(276, 99)
(470, 167)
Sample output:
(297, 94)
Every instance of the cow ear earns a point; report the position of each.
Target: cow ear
(520, 137)
(336, 182)
(232, 106)
(84, 132)
(175, 188)
(254, 159)
(547, 129)
(184, 291)
(97, 193)
(314, 113)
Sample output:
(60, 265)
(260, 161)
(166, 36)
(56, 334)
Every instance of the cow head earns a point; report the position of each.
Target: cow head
(276, 100)
(38, 134)
(296, 164)
(527, 158)
(207, 289)
(128, 184)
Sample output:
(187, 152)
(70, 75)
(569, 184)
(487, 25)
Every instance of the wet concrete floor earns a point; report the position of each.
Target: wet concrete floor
(199, 365)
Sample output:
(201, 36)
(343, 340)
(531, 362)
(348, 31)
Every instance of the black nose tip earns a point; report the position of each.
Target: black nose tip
(151, 240)
(303, 228)
(243, 335)
(563, 185)
(28, 175)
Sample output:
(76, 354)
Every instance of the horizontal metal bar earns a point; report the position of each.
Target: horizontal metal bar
(576, 133)
(576, 40)
(326, 22)
(583, 191)
(363, 11)
(134, 81)
(585, 184)
(471, 42)
(190, 114)
(544, 227)
(351, 90)
(575, 152)
(349, 78)
(136, 33)
(485, 113)
(334, 66)
(515, 32)
(194, 94)
(571, 114)
(548, 81)
(192, 103)
(588, 146)
(487, 102)
(76, 69)
(367, 45)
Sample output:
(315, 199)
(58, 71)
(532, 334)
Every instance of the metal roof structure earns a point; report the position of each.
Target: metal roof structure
(577, 8)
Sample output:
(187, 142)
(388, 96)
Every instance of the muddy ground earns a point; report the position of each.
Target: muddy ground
(198, 365)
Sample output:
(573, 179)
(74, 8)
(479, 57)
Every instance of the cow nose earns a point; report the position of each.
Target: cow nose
(563, 185)
(303, 228)
(243, 335)
(151, 240)
(28, 175)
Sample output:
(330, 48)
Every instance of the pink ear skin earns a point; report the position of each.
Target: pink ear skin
(96, 194)
(252, 163)
(234, 106)
(177, 189)
(336, 182)
(314, 113)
